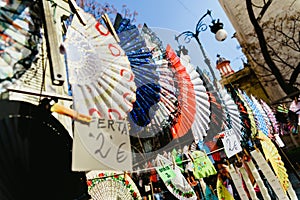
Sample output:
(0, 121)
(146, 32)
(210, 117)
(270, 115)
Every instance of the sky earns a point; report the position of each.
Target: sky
(171, 17)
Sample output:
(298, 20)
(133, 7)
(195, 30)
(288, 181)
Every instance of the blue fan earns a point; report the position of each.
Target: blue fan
(144, 69)
(260, 121)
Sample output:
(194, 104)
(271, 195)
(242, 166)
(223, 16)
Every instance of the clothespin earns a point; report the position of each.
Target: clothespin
(77, 10)
(162, 164)
(110, 27)
(246, 152)
(60, 109)
(173, 162)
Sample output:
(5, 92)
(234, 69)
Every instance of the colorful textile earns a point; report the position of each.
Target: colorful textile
(203, 167)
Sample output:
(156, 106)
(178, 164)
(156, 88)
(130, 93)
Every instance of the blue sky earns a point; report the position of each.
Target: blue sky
(176, 16)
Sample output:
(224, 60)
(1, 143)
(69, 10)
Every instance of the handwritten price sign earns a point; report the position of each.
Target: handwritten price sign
(231, 143)
(105, 144)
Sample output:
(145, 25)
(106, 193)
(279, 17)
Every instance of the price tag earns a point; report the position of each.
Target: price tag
(231, 143)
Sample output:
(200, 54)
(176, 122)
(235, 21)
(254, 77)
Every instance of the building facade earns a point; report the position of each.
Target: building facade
(281, 27)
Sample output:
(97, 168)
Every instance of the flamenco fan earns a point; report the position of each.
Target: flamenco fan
(253, 127)
(19, 39)
(245, 121)
(270, 115)
(217, 116)
(99, 71)
(264, 115)
(167, 107)
(178, 185)
(233, 115)
(201, 122)
(186, 96)
(259, 119)
(144, 69)
(35, 155)
(111, 185)
(272, 155)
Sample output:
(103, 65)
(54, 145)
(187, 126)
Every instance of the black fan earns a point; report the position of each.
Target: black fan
(35, 156)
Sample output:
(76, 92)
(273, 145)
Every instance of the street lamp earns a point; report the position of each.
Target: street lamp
(216, 28)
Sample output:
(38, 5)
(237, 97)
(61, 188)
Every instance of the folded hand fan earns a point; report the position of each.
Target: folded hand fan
(99, 71)
(19, 40)
(272, 155)
(245, 121)
(35, 156)
(167, 109)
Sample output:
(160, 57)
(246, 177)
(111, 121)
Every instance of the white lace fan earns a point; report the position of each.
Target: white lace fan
(111, 185)
(99, 71)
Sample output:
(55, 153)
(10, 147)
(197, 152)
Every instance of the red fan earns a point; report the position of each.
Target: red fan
(186, 96)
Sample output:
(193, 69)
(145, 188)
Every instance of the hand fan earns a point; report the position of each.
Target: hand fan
(270, 115)
(202, 120)
(144, 69)
(232, 112)
(99, 71)
(186, 96)
(178, 185)
(111, 185)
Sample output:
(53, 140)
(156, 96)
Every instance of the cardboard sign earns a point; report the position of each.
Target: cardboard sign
(231, 143)
(166, 173)
(102, 144)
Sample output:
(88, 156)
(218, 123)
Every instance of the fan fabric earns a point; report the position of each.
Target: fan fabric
(263, 114)
(217, 116)
(246, 124)
(259, 119)
(144, 69)
(186, 97)
(99, 71)
(271, 116)
(35, 155)
(19, 40)
(201, 122)
(232, 112)
(178, 183)
(250, 114)
(111, 185)
(272, 155)
(203, 167)
(166, 110)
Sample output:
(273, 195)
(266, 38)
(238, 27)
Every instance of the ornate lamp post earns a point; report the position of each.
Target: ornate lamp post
(216, 28)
